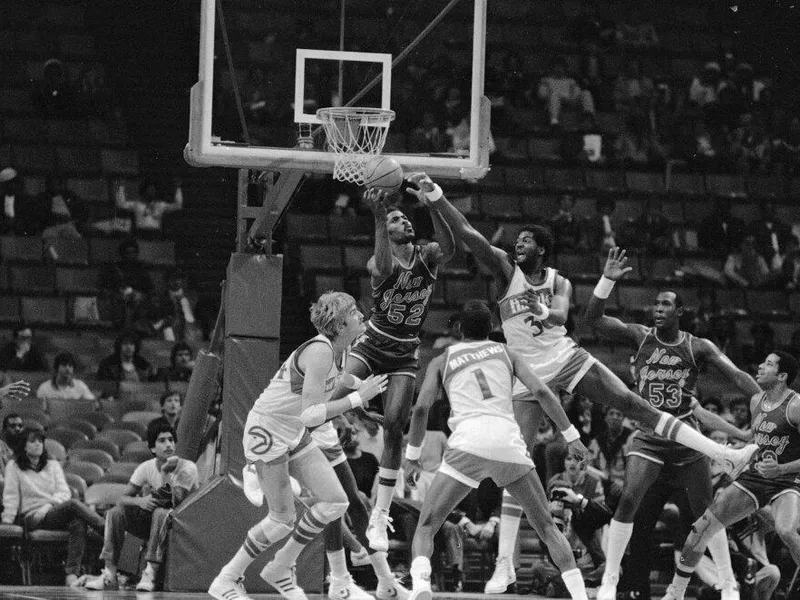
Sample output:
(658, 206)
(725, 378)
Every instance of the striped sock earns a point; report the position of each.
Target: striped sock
(680, 581)
(387, 480)
(673, 429)
(310, 526)
(510, 515)
(246, 554)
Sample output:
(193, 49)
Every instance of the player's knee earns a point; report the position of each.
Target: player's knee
(277, 525)
(330, 511)
(786, 528)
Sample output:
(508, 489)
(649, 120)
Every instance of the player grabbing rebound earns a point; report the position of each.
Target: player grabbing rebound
(666, 366)
(403, 276)
(772, 480)
(277, 442)
(478, 377)
(534, 306)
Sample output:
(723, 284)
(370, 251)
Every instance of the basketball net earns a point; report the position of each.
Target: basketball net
(355, 135)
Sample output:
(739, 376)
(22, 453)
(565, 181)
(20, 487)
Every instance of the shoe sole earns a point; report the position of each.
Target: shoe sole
(510, 586)
(217, 595)
(424, 595)
(734, 474)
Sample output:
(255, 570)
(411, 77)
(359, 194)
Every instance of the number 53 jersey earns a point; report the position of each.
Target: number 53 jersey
(665, 376)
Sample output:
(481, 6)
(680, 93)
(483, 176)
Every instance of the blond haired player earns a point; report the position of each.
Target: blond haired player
(478, 376)
(277, 443)
(534, 305)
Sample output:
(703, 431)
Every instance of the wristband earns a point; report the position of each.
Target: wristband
(603, 288)
(571, 434)
(435, 194)
(545, 313)
(413, 452)
(356, 400)
(356, 382)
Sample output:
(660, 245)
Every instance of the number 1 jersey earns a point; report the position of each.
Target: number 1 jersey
(666, 373)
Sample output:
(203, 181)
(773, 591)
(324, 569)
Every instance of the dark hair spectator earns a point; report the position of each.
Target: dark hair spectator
(181, 364)
(125, 364)
(174, 312)
(149, 209)
(37, 493)
(568, 228)
(127, 287)
(171, 407)
(63, 213)
(52, 94)
(10, 438)
(63, 385)
(21, 354)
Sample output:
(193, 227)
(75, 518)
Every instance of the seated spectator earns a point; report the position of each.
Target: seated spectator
(772, 236)
(94, 96)
(363, 464)
(721, 232)
(171, 407)
(369, 433)
(705, 87)
(21, 354)
(632, 90)
(155, 488)
(609, 453)
(743, 92)
(568, 228)
(53, 95)
(637, 33)
(427, 136)
(64, 213)
(652, 231)
(21, 214)
(63, 385)
(559, 88)
(636, 145)
(601, 228)
(747, 268)
(126, 364)
(174, 312)
(740, 412)
(149, 210)
(37, 493)
(750, 145)
(181, 364)
(127, 287)
(10, 438)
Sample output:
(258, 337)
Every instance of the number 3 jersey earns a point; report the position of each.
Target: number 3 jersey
(401, 300)
(666, 373)
(547, 348)
(478, 378)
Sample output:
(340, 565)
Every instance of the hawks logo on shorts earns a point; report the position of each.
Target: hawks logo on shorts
(260, 440)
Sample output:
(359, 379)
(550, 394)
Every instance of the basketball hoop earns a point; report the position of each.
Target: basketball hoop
(355, 135)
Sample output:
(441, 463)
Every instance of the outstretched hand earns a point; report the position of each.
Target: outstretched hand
(376, 198)
(16, 390)
(616, 265)
(424, 185)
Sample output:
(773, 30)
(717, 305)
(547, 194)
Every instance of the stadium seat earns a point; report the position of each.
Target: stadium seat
(92, 190)
(545, 149)
(689, 184)
(730, 298)
(62, 410)
(436, 321)
(45, 311)
(66, 437)
(645, 183)
(98, 444)
(90, 471)
(458, 291)
(33, 159)
(137, 452)
(67, 251)
(320, 257)
(77, 280)
(726, 186)
(157, 252)
(103, 250)
(673, 210)
(32, 279)
(120, 162)
(322, 282)
(698, 209)
(578, 266)
(356, 257)
(605, 180)
(67, 131)
(749, 212)
(567, 180)
(13, 553)
(133, 426)
(636, 298)
(501, 206)
(81, 160)
(21, 249)
(767, 302)
(93, 455)
(520, 178)
(55, 449)
(83, 426)
(628, 209)
(119, 437)
(539, 207)
(766, 188)
(76, 483)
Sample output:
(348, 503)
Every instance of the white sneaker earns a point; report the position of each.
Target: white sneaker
(735, 461)
(421, 590)
(391, 591)
(608, 587)
(379, 521)
(225, 587)
(284, 580)
(342, 588)
(504, 575)
(251, 485)
(359, 559)
(729, 590)
(104, 581)
(147, 582)
(671, 594)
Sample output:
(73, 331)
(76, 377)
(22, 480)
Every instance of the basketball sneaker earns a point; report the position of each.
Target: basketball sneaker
(671, 594)
(377, 536)
(147, 582)
(729, 590)
(391, 590)
(608, 587)
(105, 581)
(504, 575)
(421, 579)
(225, 587)
(344, 588)
(359, 559)
(735, 461)
(284, 580)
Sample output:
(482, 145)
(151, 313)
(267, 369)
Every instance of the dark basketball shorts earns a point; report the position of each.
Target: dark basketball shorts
(660, 450)
(470, 469)
(763, 491)
(383, 354)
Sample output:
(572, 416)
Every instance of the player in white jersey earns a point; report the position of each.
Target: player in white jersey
(534, 307)
(277, 443)
(478, 377)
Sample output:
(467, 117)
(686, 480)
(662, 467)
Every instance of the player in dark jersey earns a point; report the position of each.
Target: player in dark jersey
(666, 366)
(774, 479)
(403, 277)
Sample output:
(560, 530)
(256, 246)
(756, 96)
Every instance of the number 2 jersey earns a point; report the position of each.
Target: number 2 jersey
(546, 348)
(401, 300)
(478, 378)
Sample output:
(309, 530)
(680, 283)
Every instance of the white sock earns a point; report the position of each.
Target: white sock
(338, 563)
(510, 515)
(420, 568)
(721, 554)
(380, 565)
(575, 585)
(246, 554)
(680, 581)
(307, 528)
(387, 480)
(619, 534)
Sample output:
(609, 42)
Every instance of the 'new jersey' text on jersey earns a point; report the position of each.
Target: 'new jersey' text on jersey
(776, 435)
(544, 345)
(401, 300)
(478, 378)
(666, 373)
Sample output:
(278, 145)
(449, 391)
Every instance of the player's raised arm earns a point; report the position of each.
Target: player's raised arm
(442, 232)
(713, 422)
(549, 403)
(382, 262)
(494, 258)
(708, 352)
(615, 269)
(419, 417)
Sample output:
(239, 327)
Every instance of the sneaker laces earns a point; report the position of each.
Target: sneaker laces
(238, 584)
(383, 519)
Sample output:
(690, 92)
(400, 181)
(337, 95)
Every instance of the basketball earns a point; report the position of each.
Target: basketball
(383, 173)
